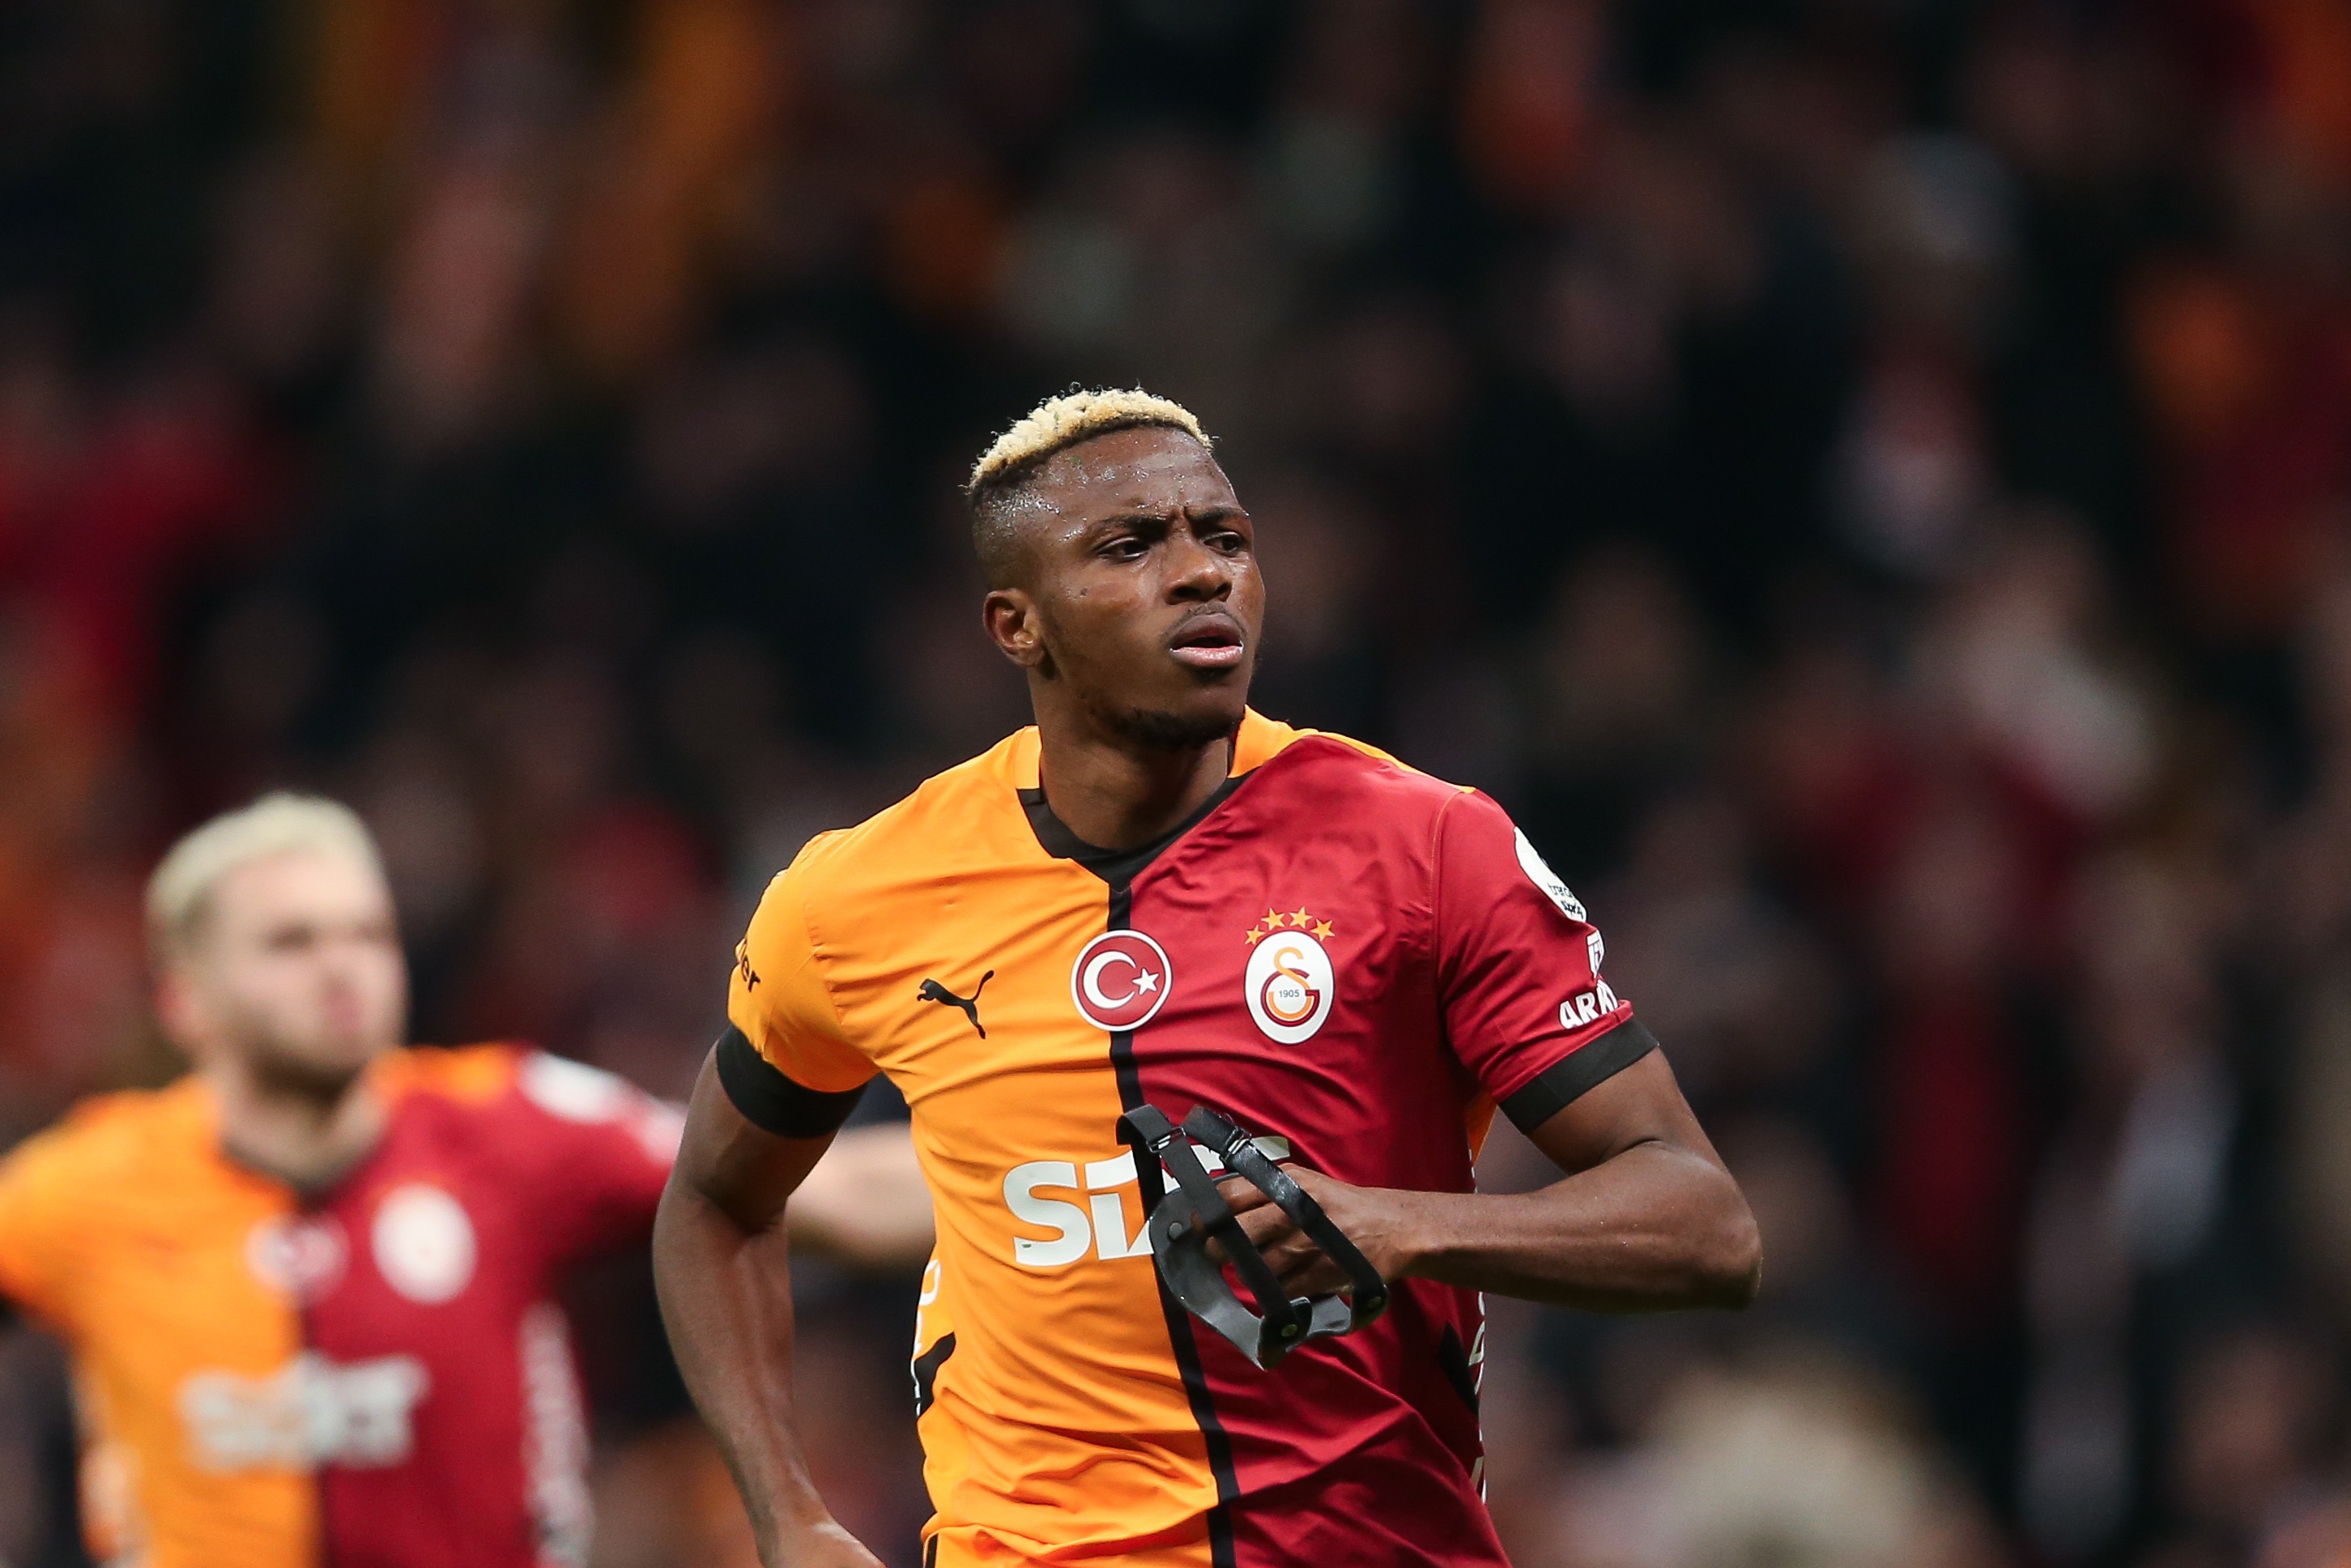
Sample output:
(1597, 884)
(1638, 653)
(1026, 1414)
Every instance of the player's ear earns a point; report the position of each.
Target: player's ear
(179, 1007)
(1010, 617)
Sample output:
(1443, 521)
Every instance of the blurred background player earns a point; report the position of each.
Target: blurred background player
(309, 1289)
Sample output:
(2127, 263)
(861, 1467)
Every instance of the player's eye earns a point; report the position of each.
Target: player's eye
(1125, 549)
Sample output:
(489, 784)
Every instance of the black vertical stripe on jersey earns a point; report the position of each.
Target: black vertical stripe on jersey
(1454, 1360)
(1179, 1320)
(1118, 869)
(926, 1373)
(306, 1333)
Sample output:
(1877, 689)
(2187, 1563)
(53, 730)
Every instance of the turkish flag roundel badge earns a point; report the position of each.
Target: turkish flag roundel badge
(1120, 979)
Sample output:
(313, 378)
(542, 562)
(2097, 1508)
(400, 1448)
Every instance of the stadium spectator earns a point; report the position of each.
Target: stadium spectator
(1865, 485)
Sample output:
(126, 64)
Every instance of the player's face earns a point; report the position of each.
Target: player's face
(296, 971)
(1142, 602)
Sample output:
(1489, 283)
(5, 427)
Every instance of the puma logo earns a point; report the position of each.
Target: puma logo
(932, 991)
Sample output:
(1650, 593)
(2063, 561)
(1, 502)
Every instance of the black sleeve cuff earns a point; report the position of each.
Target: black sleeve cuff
(773, 1102)
(1556, 1086)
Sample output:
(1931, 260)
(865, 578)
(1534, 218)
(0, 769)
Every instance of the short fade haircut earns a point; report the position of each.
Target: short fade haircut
(179, 895)
(1054, 425)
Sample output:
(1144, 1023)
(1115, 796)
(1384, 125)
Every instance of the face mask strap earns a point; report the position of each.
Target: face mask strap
(1185, 1220)
(1243, 1157)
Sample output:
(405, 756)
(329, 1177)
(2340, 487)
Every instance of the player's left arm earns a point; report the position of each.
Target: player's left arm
(605, 1149)
(1647, 1218)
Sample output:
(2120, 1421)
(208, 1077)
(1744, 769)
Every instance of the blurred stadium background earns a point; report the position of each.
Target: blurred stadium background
(1864, 481)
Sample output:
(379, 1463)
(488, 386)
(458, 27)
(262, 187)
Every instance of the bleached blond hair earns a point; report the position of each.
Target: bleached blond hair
(1053, 426)
(180, 893)
(1072, 417)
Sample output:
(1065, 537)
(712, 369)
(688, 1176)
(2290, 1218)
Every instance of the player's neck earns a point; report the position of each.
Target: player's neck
(305, 1136)
(1116, 795)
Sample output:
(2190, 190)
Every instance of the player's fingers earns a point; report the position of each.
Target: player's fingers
(1310, 1273)
(1267, 1228)
(1307, 1177)
(1295, 1261)
(1301, 1265)
(1241, 1195)
(1264, 1227)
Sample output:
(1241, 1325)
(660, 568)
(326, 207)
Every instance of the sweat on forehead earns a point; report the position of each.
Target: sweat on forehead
(1129, 465)
(1056, 441)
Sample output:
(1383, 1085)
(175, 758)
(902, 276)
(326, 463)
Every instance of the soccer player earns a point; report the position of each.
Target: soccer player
(309, 1289)
(1157, 895)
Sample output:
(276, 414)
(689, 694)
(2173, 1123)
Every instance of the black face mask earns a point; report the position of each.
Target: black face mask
(1185, 1220)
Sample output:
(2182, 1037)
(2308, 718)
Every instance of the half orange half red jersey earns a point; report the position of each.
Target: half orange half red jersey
(375, 1375)
(1338, 952)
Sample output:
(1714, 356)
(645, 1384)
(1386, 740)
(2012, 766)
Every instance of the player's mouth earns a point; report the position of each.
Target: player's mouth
(1209, 641)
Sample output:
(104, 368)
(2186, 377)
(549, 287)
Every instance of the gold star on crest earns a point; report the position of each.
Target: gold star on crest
(1299, 919)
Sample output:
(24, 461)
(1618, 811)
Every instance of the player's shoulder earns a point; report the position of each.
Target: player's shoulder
(967, 813)
(510, 1092)
(109, 1134)
(504, 1075)
(1340, 772)
(465, 1075)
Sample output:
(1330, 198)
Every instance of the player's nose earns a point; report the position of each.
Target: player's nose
(1196, 571)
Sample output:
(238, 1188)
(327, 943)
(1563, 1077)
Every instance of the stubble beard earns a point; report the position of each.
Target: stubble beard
(1146, 728)
(1160, 729)
(279, 1067)
(293, 1078)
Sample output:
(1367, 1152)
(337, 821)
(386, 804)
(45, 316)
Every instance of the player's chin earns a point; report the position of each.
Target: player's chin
(315, 1071)
(1183, 720)
(1212, 703)
(335, 1050)
(1222, 686)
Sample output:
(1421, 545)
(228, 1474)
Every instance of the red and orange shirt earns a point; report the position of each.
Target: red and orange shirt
(372, 1375)
(1338, 953)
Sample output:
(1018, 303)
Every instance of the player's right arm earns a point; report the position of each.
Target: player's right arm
(721, 1258)
(772, 1095)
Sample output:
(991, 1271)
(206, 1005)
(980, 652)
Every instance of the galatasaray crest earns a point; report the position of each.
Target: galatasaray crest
(1289, 984)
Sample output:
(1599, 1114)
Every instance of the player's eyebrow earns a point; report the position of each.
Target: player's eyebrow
(1128, 518)
(1214, 512)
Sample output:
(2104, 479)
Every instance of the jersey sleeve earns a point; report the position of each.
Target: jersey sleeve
(38, 1230)
(1518, 967)
(603, 1149)
(784, 1060)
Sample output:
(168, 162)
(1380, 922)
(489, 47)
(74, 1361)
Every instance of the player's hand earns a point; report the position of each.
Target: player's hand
(823, 1544)
(1378, 1220)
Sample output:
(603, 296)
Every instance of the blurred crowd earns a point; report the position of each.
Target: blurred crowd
(1866, 482)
